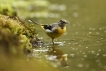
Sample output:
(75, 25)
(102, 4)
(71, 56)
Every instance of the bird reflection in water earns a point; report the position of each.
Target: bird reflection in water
(58, 55)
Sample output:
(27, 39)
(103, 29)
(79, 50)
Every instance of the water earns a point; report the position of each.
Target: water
(84, 41)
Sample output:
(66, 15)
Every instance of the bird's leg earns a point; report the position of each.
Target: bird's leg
(53, 41)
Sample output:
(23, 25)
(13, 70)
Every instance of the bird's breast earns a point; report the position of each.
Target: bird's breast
(56, 33)
(61, 30)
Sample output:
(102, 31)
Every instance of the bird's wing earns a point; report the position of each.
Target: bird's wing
(49, 28)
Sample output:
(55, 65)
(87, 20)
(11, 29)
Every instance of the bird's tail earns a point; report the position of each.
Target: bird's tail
(34, 22)
(37, 23)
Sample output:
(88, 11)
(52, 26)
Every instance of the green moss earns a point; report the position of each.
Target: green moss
(29, 30)
(12, 39)
(7, 9)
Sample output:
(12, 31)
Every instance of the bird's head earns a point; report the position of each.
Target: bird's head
(62, 22)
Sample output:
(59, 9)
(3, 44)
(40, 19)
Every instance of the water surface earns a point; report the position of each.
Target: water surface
(84, 41)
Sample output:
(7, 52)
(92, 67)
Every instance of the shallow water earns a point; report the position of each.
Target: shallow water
(84, 41)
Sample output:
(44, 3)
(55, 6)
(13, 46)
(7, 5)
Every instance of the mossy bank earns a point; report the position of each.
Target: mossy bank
(15, 36)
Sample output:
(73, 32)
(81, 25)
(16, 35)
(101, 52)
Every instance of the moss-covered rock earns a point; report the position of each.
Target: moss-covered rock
(12, 39)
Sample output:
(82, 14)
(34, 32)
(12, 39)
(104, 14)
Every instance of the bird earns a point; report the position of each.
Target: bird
(53, 30)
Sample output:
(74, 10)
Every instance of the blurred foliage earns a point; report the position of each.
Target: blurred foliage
(14, 36)
(8, 10)
(24, 9)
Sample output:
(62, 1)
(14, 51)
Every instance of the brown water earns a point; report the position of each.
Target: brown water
(84, 41)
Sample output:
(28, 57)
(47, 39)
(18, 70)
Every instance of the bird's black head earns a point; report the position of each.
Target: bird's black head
(63, 21)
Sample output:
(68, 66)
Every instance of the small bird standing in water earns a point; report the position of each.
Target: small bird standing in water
(54, 30)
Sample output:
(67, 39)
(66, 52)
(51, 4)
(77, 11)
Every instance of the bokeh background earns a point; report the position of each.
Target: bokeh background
(84, 41)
